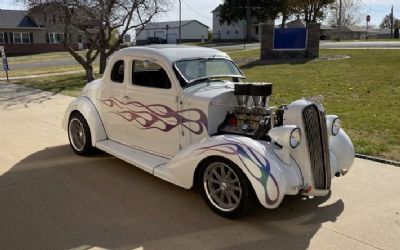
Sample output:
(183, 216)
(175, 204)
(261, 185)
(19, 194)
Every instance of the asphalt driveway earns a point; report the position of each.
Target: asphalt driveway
(51, 198)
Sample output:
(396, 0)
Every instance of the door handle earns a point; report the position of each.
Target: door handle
(126, 97)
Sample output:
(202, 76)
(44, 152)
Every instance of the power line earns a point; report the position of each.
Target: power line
(195, 11)
(371, 9)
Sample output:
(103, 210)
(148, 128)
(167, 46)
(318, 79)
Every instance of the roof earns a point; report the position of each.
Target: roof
(171, 53)
(216, 9)
(326, 27)
(171, 24)
(298, 23)
(16, 19)
(355, 28)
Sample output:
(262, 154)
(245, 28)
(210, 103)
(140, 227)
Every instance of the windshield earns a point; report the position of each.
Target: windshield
(206, 68)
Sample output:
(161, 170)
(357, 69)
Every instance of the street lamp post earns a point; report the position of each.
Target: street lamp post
(180, 20)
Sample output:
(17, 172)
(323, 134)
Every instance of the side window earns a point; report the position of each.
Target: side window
(117, 73)
(149, 74)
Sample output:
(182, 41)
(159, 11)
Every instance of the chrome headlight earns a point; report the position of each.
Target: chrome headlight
(336, 125)
(288, 136)
(295, 138)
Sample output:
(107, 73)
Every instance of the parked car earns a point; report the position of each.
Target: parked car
(185, 115)
(156, 40)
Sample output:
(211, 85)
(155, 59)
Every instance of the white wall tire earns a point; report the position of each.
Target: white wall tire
(79, 135)
(225, 187)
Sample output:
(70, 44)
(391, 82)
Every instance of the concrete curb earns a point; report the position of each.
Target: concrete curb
(377, 159)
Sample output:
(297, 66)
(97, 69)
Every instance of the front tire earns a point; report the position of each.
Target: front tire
(79, 135)
(225, 188)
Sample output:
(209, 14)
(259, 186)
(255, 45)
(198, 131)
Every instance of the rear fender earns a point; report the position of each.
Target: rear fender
(271, 179)
(85, 106)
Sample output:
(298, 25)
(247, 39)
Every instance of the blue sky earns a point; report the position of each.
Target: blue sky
(201, 10)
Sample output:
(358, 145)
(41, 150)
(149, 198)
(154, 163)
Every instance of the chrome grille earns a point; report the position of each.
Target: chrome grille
(317, 139)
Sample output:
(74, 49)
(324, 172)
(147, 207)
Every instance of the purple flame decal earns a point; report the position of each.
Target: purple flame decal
(157, 116)
(232, 146)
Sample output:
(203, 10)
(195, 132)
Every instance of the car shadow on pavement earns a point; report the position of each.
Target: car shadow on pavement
(54, 199)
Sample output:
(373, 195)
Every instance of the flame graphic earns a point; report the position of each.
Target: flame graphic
(231, 146)
(157, 116)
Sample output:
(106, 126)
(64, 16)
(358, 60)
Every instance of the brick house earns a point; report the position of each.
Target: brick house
(34, 31)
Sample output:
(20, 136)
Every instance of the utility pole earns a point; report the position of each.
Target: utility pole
(180, 20)
(340, 20)
(248, 20)
(391, 23)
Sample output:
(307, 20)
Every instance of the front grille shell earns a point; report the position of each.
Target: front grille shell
(316, 135)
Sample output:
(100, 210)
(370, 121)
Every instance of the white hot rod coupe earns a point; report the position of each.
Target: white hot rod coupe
(184, 115)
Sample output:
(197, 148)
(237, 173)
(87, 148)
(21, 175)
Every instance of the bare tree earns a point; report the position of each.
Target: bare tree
(350, 15)
(99, 20)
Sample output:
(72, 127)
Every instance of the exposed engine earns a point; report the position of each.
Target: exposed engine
(252, 117)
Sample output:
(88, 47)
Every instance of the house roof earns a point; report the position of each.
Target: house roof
(216, 9)
(298, 23)
(171, 24)
(16, 19)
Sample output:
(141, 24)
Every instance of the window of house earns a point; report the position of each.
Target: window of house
(2, 40)
(236, 32)
(117, 73)
(257, 30)
(227, 32)
(21, 38)
(56, 37)
(149, 74)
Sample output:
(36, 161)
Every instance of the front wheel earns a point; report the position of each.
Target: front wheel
(225, 188)
(79, 135)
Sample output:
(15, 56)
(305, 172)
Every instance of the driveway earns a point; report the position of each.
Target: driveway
(51, 198)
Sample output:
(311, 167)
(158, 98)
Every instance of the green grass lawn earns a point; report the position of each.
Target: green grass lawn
(363, 90)
(41, 57)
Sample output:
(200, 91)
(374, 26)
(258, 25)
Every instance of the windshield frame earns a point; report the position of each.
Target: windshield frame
(241, 76)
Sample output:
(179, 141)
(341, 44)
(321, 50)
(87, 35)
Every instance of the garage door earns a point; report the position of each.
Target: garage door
(172, 38)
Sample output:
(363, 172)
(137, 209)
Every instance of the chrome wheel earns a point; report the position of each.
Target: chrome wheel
(77, 134)
(222, 186)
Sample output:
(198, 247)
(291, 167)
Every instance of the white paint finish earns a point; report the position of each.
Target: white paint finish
(115, 128)
(85, 106)
(139, 158)
(214, 99)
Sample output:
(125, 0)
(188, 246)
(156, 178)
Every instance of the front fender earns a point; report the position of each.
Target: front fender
(85, 106)
(342, 152)
(271, 178)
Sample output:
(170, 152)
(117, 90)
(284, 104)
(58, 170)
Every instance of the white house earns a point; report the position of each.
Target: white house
(191, 31)
(234, 30)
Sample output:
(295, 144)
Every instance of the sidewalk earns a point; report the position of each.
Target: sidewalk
(56, 199)
(42, 75)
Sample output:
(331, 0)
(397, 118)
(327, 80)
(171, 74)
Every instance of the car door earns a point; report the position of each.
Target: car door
(111, 100)
(153, 120)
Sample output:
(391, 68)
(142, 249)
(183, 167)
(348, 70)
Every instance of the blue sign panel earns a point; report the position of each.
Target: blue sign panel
(290, 39)
(5, 64)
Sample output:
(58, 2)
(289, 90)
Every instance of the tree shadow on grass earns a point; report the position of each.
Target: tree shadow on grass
(291, 61)
(54, 199)
(37, 90)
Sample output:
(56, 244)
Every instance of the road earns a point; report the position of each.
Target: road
(329, 45)
(54, 199)
(249, 46)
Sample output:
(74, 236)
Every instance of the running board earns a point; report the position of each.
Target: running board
(141, 159)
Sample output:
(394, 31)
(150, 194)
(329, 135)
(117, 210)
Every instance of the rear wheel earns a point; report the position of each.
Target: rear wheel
(79, 135)
(225, 188)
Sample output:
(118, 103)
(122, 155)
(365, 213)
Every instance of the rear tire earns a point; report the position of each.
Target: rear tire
(225, 188)
(79, 135)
